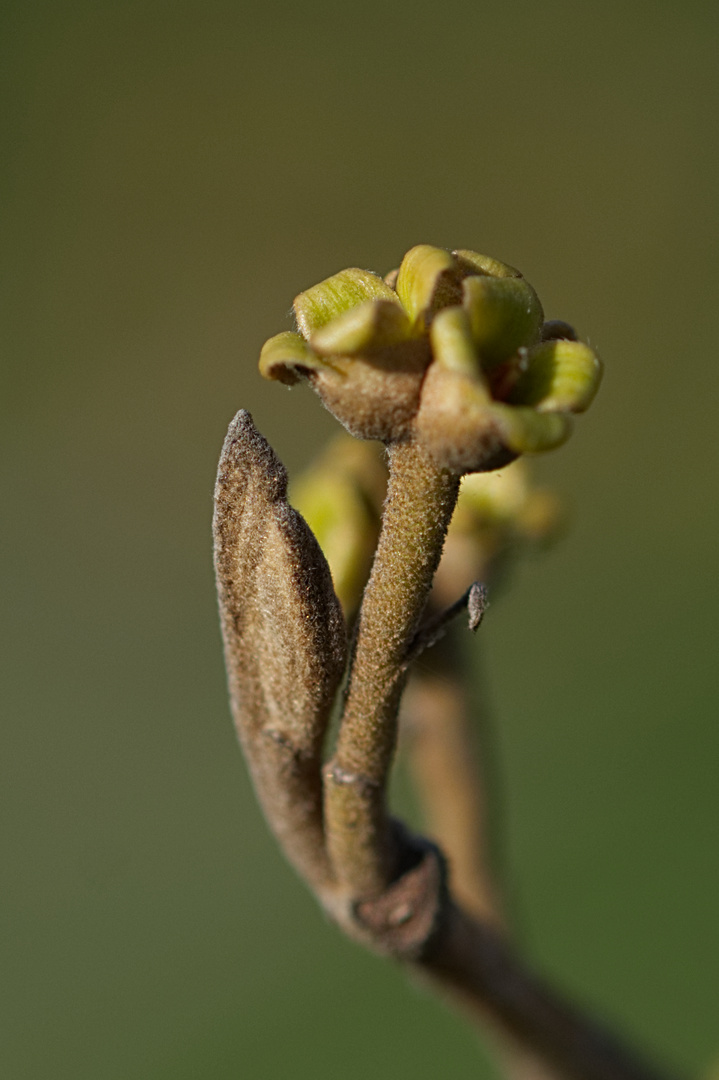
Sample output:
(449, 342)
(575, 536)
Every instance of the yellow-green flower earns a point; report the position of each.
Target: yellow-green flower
(451, 350)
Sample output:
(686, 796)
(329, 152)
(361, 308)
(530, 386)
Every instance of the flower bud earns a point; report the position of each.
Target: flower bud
(340, 497)
(450, 350)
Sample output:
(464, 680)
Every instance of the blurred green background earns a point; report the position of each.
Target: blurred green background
(173, 174)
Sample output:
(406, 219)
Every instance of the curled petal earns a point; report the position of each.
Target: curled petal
(287, 356)
(374, 394)
(453, 348)
(466, 432)
(471, 262)
(560, 375)
(526, 431)
(504, 314)
(336, 295)
(427, 280)
(373, 324)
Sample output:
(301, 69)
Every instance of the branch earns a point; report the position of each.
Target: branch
(285, 649)
(476, 963)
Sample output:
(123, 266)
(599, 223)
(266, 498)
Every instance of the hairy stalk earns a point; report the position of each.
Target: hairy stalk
(420, 500)
(478, 967)
(452, 764)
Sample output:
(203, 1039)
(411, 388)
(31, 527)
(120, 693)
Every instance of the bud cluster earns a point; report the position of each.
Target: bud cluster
(450, 351)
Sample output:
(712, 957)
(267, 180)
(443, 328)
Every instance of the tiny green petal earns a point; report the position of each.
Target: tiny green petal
(373, 324)
(526, 431)
(453, 348)
(427, 279)
(474, 263)
(317, 306)
(560, 375)
(504, 313)
(286, 355)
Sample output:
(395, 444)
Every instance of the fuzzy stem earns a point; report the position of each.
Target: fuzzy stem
(480, 969)
(449, 759)
(420, 500)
